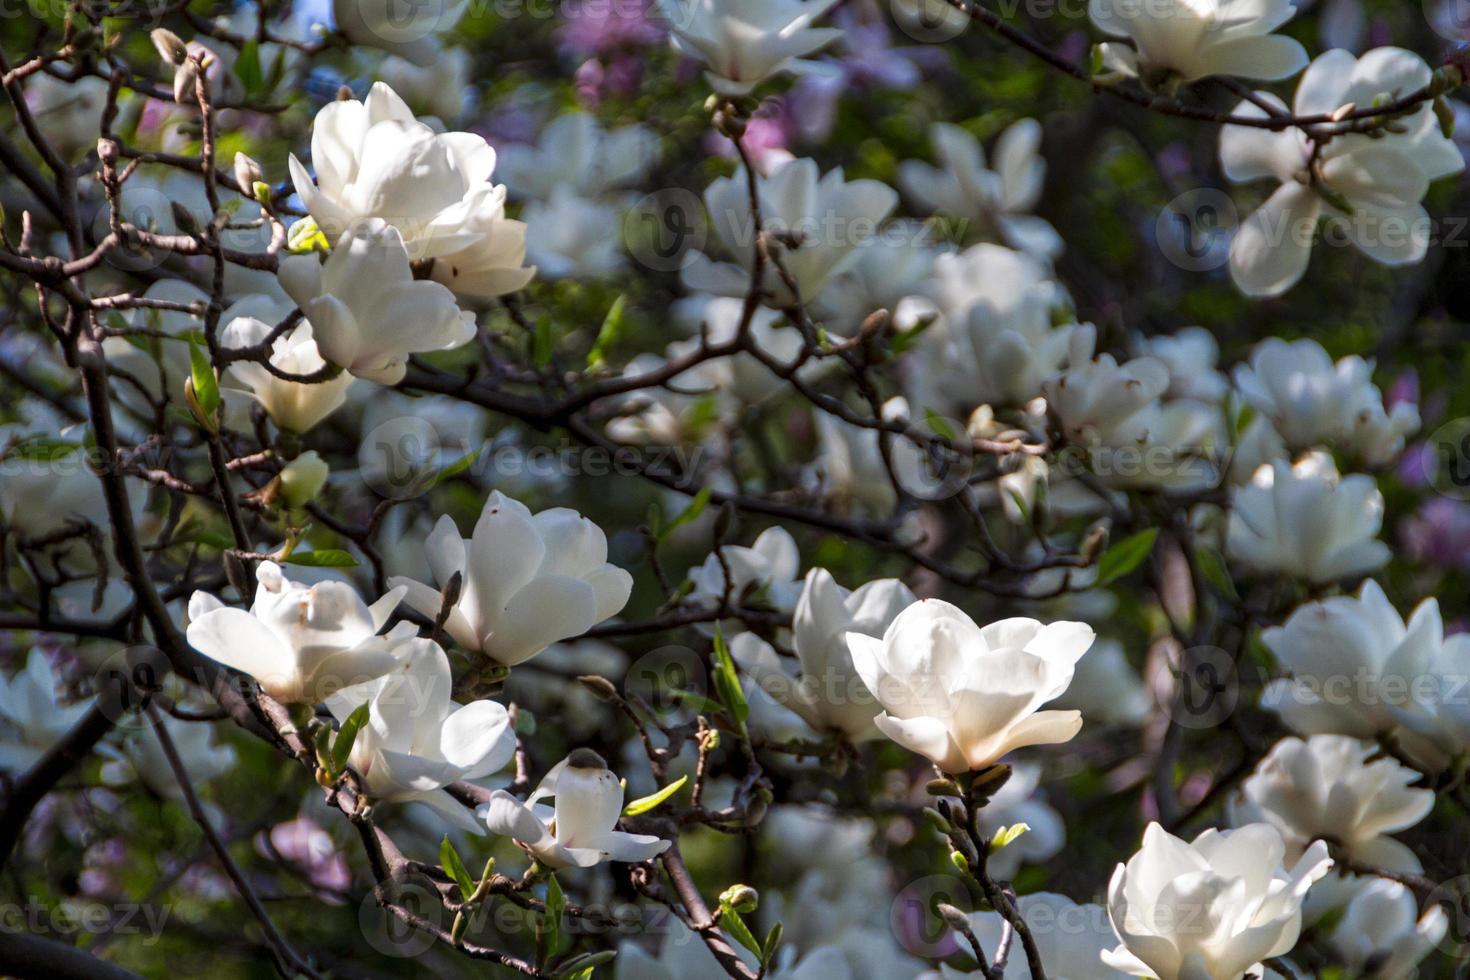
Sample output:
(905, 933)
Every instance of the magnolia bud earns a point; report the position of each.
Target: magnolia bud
(185, 78)
(302, 479)
(170, 46)
(247, 174)
(601, 687)
(741, 898)
(953, 917)
(107, 151)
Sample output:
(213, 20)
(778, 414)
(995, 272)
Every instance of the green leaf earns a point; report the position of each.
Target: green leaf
(1006, 835)
(322, 558)
(206, 385)
(608, 333)
(247, 68)
(42, 450)
(449, 857)
(688, 514)
(772, 943)
(904, 341)
(342, 744)
(1212, 567)
(1125, 556)
(738, 930)
(451, 470)
(556, 906)
(698, 702)
(727, 682)
(646, 803)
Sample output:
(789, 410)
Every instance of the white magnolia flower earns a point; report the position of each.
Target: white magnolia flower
(437, 88)
(405, 30)
(70, 113)
(884, 270)
(1370, 185)
(1008, 283)
(202, 756)
(1312, 402)
(1018, 802)
(1192, 39)
(827, 218)
(1354, 662)
(374, 160)
(963, 187)
(827, 693)
(1071, 938)
(1106, 688)
(32, 718)
(767, 568)
(1191, 355)
(568, 237)
(1212, 908)
(1306, 521)
(963, 696)
(580, 830)
(575, 152)
(1381, 933)
(528, 580)
(362, 300)
(417, 740)
(291, 405)
(300, 642)
(744, 42)
(1325, 788)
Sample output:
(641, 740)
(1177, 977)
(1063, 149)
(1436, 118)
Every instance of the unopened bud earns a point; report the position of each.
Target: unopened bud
(1092, 545)
(601, 687)
(107, 151)
(247, 174)
(953, 917)
(302, 479)
(938, 820)
(942, 787)
(171, 48)
(741, 898)
(185, 78)
(344, 94)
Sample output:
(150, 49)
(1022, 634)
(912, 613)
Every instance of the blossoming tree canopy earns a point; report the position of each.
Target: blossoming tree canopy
(734, 488)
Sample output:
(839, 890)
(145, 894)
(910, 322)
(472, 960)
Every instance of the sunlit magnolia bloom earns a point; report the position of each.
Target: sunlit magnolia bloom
(1070, 938)
(291, 405)
(300, 642)
(1307, 521)
(576, 153)
(825, 217)
(964, 187)
(1353, 661)
(360, 300)
(1370, 185)
(527, 580)
(1192, 39)
(1313, 402)
(417, 740)
(374, 160)
(963, 696)
(1325, 788)
(827, 692)
(32, 717)
(408, 31)
(580, 830)
(744, 42)
(1212, 908)
(567, 236)
(1381, 933)
(766, 570)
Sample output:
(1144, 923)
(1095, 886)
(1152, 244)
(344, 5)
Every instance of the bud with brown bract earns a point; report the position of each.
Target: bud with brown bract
(170, 46)
(247, 174)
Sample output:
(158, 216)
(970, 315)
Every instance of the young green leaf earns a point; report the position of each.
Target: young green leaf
(550, 934)
(449, 857)
(772, 943)
(1125, 556)
(206, 385)
(608, 333)
(727, 682)
(690, 513)
(346, 736)
(1006, 835)
(646, 803)
(738, 930)
(247, 69)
